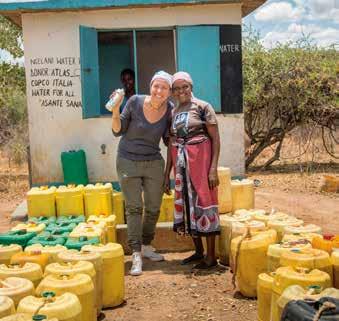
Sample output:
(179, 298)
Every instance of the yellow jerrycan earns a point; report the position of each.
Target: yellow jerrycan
(30, 227)
(224, 190)
(41, 201)
(70, 200)
(27, 317)
(309, 228)
(240, 228)
(308, 258)
(326, 243)
(52, 251)
(64, 307)
(167, 208)
(111, 223)
(118, 207)
(79, 284)
(28, 270)
(33, 257)
(275, 250)
(70, 268)
(296, 292)
(6, 306)
(249, 259)
(264, 294)
(98, 199)
(89, 231)
(252, 212)
(16, 288)
(299, 236)
(335, 262)
(280, 224)
(224, 244)
(272, 234)
(96, 260)
(113, 271)
(7, 251)
(242, 194)
(266, 217)
(97, 224)
(286, 276)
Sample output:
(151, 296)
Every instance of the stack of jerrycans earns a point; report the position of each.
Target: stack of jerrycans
(102, 200)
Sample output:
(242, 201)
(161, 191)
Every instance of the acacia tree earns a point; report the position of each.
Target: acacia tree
(13, 111)
(286, 87)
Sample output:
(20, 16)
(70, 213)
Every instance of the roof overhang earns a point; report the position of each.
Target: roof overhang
(14, 9)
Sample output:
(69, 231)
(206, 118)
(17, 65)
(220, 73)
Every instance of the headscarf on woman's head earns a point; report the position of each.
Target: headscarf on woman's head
(182, 75)
(163, 75)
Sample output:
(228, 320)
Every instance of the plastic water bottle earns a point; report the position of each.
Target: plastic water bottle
(117, 98)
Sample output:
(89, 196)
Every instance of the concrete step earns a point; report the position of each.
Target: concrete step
(165, 239)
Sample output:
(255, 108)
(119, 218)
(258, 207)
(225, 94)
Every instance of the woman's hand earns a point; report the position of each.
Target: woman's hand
(167, 185)
(213, 180)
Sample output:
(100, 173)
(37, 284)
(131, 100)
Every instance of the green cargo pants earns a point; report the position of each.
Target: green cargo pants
(136, 177)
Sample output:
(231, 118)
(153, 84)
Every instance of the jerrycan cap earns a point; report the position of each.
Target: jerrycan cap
(48, 294)
(21, 232)
(295, 251)
(328, 237)
(39, 317)
(315, 288)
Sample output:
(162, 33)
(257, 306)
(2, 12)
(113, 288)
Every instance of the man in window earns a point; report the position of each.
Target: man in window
(127, 78)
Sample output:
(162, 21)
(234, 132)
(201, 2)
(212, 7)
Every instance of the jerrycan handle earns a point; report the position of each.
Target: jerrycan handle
(83, 238)
(16, 265)
(5, 284)
(302, 270)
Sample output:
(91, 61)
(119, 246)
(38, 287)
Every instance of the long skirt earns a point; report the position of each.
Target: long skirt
(196, 205)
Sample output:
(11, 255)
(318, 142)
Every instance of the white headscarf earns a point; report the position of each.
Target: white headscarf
(163, 75)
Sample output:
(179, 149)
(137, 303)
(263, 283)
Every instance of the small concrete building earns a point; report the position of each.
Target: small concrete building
(75, 51)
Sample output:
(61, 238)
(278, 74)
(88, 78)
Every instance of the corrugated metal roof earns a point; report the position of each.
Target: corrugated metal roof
(14, 8)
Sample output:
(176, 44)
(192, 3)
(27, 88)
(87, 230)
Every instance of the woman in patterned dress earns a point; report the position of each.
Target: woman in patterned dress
(194, 152)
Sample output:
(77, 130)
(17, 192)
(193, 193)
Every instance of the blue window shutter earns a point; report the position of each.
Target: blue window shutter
(199, 54)
(89, 63)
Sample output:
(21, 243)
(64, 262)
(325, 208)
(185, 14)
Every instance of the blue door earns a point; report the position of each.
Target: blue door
(89, 64)
(198, 54)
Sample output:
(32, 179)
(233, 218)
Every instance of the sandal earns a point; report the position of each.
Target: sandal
(193, 258)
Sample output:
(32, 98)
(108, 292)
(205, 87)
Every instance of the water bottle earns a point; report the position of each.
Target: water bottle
(117, 98)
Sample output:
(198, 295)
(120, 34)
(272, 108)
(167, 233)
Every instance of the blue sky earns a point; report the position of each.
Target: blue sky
(281, 21)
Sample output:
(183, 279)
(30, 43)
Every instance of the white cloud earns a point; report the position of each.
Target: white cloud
(323, 10)
(278, 11)
(323, 37)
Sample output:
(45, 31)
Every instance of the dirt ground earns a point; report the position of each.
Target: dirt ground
(169, 291)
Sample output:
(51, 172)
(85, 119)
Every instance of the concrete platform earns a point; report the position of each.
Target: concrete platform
(20, 213)
(165, 239)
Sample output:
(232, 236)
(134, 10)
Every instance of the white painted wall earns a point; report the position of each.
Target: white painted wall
(56, 129)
